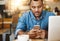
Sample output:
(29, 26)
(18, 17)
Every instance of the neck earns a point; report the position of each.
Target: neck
(37, 18)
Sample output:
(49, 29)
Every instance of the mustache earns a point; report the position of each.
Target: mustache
(37, 12)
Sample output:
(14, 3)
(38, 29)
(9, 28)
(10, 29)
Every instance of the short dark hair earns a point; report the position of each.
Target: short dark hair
(35, 0)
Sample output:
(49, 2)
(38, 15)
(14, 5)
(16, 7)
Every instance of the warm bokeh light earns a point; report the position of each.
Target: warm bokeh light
(16, 4)
(49, 0)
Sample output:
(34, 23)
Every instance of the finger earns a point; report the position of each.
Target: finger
(43, 34)
(39, 31)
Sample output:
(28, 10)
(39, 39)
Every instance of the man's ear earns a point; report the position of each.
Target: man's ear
(43, 6)
(30, 7)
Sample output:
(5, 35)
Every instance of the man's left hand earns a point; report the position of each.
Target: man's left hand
(41, 34)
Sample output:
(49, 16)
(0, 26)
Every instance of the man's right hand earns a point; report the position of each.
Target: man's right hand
(32, 33)
(20, 32)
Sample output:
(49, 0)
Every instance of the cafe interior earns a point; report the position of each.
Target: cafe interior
(11, 10)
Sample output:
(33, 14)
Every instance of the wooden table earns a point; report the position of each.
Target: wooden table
(35, 40)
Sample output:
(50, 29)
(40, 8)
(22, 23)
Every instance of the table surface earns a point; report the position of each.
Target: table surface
(35, 40)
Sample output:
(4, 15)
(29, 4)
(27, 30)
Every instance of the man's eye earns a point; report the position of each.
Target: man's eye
(39, 6)
(33, 7)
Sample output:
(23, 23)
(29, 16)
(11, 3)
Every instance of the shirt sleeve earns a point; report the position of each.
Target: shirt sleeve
(21, 24)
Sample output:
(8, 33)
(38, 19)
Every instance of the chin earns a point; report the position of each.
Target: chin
(37, 16)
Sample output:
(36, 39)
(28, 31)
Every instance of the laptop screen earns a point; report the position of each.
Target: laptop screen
(54, 28)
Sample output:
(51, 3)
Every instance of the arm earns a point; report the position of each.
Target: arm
(21, 26)
(20, 32)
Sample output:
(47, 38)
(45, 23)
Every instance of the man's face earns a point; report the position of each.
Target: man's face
(36, 7)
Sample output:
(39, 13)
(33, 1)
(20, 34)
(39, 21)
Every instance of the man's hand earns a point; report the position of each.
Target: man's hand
(32, 33)
(38, 34)
(20, 32)
(41, 34)
(35, 33)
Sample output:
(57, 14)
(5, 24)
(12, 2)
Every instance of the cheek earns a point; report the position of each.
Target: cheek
(40, 9)
(33, 10)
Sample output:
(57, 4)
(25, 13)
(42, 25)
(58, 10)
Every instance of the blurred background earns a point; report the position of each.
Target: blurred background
(11, 10)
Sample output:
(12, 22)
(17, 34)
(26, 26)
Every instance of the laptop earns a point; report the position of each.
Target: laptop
(54, 28)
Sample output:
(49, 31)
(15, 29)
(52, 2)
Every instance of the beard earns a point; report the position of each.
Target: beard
(37, 14)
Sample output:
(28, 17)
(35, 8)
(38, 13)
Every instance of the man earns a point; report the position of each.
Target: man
(34, 22)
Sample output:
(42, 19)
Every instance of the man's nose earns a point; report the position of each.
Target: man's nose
(36, 9)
